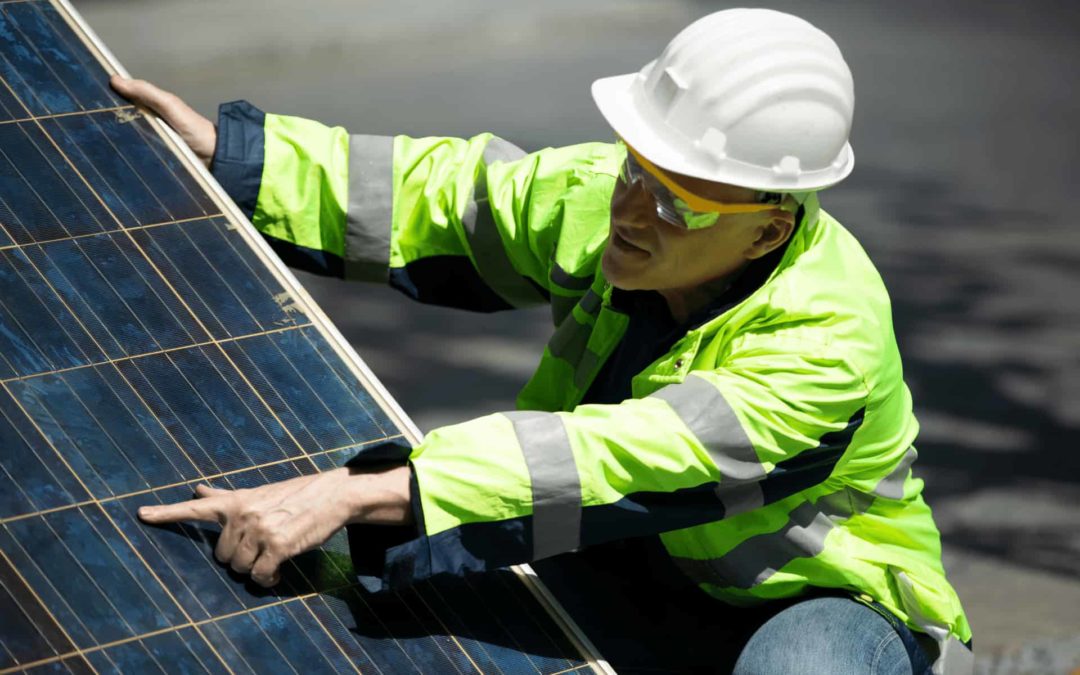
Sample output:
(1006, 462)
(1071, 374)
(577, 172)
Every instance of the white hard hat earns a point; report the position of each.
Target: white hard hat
(750, 97)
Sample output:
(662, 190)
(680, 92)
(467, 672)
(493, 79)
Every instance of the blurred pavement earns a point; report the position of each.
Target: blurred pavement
(963, 193)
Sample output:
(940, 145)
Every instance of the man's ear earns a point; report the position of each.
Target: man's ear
(773, 234)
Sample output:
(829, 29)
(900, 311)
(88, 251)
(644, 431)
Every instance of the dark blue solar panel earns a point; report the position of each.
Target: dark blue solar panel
(145, 346)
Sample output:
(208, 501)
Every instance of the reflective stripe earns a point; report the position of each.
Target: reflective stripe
(739, 497)
(590, 304)
(705, 411)
(501, 150)
(743, 485)
(586, 368)
(556, 486)
(490, 254)
(955, 658)
(568, 281)
(562, 306)
(569, 341)
(371, 201)
(892, 486)
(756, 559)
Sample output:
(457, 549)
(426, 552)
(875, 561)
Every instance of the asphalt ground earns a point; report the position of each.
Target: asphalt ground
(964, 194)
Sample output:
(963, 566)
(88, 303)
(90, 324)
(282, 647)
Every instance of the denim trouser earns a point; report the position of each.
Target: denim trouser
(644, 617)
(832, 635)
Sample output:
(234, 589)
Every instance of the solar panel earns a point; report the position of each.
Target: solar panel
(148, 341)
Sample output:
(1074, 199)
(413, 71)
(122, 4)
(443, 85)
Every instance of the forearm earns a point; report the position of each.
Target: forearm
(377, 497)
(471, 223)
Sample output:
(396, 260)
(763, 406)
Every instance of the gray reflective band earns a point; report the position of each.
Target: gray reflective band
(569, 281)
(569, 341)
(757, 558)
(489, 252)
(739, 497)
(586, 368)
(571, 338)
(954, 659)
(590, 304)
(501, 150)
(371, 203)
(562, 306)
(556, 486)
(892, 486)
(705, 411)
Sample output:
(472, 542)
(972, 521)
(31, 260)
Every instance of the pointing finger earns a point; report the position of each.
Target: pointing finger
(209, 510)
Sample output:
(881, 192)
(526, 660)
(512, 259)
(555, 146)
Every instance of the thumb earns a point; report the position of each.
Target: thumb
(196, 130)
(149, 95)
(203, 490)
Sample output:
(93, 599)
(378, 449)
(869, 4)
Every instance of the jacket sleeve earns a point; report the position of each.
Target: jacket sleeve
(513, 487)
(474, 223)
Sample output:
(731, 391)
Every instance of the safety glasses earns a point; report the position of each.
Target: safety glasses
(675, 204)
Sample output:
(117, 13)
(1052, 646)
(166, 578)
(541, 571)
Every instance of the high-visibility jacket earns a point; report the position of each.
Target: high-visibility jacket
(770, 448)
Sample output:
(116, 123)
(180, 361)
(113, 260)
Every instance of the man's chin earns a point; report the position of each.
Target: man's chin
(618, 276)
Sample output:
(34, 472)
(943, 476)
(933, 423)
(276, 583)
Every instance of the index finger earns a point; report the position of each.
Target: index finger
(206, 509)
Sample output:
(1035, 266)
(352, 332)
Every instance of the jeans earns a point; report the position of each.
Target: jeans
(645, 617)
(832, 635)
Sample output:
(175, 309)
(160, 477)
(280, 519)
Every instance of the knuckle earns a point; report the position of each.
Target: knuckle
(262, 529)
(277, 542)
(250, 516)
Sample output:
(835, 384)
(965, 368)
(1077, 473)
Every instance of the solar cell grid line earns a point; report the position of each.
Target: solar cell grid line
(150, 340)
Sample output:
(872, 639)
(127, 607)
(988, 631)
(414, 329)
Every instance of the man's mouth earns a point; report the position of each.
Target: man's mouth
(624, 244)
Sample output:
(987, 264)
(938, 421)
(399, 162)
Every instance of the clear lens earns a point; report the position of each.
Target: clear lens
(673, 202)
(669, 207)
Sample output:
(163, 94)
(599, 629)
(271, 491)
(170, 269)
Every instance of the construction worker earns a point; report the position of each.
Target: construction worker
(723, 371)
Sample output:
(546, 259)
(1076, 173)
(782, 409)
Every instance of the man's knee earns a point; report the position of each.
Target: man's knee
(833, 636)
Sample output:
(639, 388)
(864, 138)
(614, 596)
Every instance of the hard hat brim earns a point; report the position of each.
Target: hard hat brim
(616, 100)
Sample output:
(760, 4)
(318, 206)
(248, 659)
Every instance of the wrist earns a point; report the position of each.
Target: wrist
(380, 497)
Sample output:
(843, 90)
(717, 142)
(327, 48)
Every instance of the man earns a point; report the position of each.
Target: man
(723, 371)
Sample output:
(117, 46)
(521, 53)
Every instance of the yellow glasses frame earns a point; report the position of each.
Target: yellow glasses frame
(692, 204)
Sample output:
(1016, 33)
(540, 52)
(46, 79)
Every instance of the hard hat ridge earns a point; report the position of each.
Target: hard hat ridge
(751, 97)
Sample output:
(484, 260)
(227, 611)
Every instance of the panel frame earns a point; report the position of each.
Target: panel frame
(318, 318)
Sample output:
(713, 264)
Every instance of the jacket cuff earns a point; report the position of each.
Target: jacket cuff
(239, 153)
(390, 557)
(386, 556)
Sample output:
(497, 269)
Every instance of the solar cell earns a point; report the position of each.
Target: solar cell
(148, 341)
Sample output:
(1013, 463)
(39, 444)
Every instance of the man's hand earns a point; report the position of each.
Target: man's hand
(197, 131)
(265, 526)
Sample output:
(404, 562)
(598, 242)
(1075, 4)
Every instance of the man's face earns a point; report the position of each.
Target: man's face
(645, 252)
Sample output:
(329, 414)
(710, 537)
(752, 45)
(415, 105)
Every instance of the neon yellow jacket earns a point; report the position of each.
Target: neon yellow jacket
(770, 448)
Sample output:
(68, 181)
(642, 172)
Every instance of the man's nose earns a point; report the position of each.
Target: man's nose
(634, 206)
